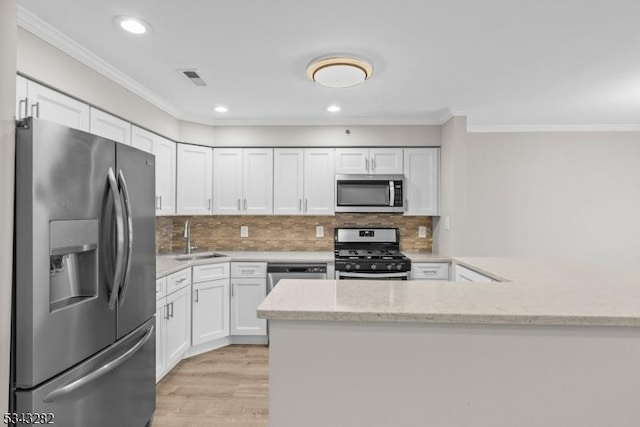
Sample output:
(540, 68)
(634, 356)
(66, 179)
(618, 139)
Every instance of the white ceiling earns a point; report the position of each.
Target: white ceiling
(500, 62)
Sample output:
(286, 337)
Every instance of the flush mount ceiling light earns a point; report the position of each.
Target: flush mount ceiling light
(333, 108)
(220, 109)
(132, 25)
(339, 71)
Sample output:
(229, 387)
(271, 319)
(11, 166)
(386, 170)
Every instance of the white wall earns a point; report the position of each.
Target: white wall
(573, 195)
(8, 24)
(42, 62)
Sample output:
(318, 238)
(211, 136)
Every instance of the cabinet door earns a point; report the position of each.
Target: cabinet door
(108, 126)
(227, 181)
(22, 108)
(246, 296)
(464, 274)
(422, 180)
(165, 152)
(178, 325)
(352, 160)
(319, 181)
(194, 180)
(47, 104)
(210, 311)
(385, 161)
(160, 338)
(288, 190)
(142, 139)
(257, 181)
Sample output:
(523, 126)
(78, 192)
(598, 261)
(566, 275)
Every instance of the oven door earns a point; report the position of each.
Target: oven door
(348, 275)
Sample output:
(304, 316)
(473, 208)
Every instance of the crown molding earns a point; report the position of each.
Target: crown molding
(339, 121)
(552, 128)
(61, 41)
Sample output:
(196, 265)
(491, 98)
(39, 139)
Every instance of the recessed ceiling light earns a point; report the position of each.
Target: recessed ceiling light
(333, 108)
(220, 109)
(339, 71)
(132, 25)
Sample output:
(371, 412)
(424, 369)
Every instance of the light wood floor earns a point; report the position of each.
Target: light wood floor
(225, 387)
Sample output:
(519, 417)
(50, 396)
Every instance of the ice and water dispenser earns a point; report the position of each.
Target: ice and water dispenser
(73, 262)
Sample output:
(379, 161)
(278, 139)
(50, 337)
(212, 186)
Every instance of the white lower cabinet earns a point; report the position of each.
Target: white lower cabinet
(430, 271)
(248, 289)
(464, 274)
(173, 325)
(210, 312)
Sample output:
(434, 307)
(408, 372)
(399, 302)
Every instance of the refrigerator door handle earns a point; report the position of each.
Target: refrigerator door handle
(117, 275)
(103, 370)
(127, 208)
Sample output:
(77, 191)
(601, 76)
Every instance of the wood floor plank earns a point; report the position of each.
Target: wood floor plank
(228, 387)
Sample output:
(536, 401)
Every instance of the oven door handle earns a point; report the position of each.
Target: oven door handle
(342, 274)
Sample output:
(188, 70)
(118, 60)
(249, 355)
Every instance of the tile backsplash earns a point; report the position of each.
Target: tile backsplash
(282, 233)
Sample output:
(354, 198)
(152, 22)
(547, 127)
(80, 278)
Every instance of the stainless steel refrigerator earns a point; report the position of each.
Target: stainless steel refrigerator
(84, 299)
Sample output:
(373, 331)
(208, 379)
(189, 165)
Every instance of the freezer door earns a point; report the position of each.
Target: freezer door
(136, 178)
(114, 388)
(64, 249)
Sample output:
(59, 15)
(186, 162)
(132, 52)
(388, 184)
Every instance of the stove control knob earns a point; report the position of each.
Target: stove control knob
(357, 266)
(373, 266)
(389, 266)
(347, 267)
(399, 267)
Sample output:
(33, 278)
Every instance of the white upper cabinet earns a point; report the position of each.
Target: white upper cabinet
(319, 181)
(243, 181)
(164, 151)
(288, 189)
(227, 181)
(257, 181)
(194, 180)
(385, 161)
(47, 104)
(108, 126)
(22, 108)
(422, 181)
(372, 161)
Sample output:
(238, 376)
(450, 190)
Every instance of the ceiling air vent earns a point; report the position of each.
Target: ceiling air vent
(192, 76)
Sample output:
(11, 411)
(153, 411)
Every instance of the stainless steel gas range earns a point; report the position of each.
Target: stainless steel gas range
(370, 254)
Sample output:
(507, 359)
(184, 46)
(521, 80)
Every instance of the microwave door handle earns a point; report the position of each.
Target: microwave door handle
(119, 268)
(392, 193)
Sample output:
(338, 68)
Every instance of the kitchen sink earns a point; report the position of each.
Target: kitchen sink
(198, 256)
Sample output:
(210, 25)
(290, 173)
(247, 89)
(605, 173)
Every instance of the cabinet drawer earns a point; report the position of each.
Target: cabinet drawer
(464, 274)
(430, 271)
(178, 280)
(248, 269)
(161, 287)
(203, 273)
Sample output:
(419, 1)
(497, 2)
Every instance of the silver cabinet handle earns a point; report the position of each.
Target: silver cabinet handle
(35, 106)
(166, 311)
(197, 295)
(306, 205)
(120, 243)
(299, 205)
(366, 164)
(373, 165)
(209, 204)
(22, 101)
(232, 286)
(406, 205)
(104, 369)
(122, 182)
(181, 280)
(172, 310)
(245, 205)
(239, 208)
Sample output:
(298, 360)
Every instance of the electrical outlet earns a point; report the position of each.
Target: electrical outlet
(244, 231)
(446, 224)
(319, 231)
(422, 232)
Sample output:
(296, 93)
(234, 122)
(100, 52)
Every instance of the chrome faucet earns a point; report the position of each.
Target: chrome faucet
(187, 235)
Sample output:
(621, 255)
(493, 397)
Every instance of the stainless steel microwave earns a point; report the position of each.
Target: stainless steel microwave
(369, 193)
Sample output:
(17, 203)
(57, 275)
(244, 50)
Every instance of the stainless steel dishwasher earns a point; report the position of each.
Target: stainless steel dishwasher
(292, 270)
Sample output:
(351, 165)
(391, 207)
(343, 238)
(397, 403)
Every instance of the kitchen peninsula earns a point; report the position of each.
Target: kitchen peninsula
(551, 343)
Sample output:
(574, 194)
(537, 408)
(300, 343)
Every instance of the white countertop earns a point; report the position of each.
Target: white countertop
(532, 291)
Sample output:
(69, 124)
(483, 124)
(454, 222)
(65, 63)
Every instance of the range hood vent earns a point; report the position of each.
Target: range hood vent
(192, 76)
